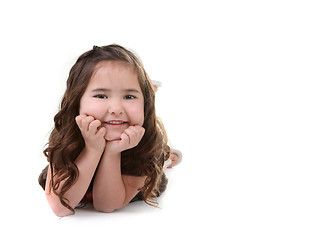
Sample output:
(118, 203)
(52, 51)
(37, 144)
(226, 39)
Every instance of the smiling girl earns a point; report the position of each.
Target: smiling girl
(107, 146)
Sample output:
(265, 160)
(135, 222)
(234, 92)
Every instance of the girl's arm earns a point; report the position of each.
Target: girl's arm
(111, 189)
(87, 162)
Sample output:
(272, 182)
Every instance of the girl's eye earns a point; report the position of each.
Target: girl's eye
(128, 97)
(101, 96)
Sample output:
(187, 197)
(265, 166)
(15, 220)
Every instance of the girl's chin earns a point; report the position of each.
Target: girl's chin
(112, 137)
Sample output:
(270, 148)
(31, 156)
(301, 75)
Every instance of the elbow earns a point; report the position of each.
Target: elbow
(58, 209)
(108, 204)
(106, 208)
(61, 212)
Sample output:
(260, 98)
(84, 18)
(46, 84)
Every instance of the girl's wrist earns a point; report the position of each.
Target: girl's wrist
(90, 153)
(112, 154)
(93, 150)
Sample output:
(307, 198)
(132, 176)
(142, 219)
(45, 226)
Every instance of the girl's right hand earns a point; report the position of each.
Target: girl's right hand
(93, 135)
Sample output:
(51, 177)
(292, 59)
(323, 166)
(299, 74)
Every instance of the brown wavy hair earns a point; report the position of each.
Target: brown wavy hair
(66, 141)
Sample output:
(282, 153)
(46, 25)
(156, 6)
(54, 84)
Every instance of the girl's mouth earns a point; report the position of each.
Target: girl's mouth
(115, 122)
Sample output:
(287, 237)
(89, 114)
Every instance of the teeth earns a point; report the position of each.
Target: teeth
(115, 122)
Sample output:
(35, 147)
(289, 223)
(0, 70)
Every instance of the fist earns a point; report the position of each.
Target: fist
(91, 132)
(128, 139)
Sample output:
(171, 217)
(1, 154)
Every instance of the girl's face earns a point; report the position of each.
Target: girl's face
(114, 97)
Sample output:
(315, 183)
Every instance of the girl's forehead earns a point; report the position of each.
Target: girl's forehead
(114, 67)
(115, 73)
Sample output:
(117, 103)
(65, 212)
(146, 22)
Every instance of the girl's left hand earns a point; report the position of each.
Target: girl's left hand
(128, 139)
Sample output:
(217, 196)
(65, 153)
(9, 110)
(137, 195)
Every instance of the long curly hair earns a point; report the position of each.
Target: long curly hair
(66, 141)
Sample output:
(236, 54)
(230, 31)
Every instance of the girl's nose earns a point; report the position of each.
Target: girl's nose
(115, 108)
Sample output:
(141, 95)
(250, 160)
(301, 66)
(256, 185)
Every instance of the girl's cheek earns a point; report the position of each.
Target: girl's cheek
(137, 118)
(140, 118)
(91, 109)
(135, 113)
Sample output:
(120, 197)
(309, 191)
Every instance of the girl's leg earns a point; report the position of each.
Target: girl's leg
(175, 159)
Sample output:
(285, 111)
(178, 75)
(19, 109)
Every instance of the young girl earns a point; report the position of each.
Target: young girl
(107, 146)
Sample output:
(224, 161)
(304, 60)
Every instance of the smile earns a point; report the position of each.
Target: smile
(115, 122)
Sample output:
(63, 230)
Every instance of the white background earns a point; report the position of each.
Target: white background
(242, 98)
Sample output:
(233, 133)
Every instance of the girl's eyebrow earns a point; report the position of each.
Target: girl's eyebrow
(101, 90)
(109, 90)
(132, 90)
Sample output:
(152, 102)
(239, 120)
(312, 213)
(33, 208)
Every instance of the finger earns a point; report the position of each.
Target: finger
(93, 126)
(85, 123)
(135, 135)
(125, 139)
(131, 133)
(101, 131)
(78, 120)
(143, 131)
(139, 131)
